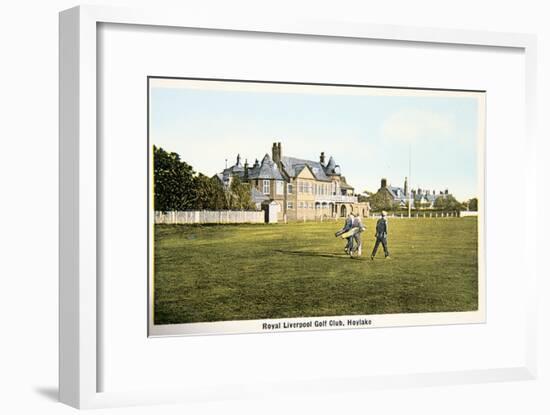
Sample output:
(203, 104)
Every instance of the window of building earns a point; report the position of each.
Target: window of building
(279, 187)
(289, 205)
(266, 187)
(289, 188)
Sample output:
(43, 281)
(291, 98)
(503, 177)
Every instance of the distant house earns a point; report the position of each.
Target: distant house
(420, 198)
(302, 189)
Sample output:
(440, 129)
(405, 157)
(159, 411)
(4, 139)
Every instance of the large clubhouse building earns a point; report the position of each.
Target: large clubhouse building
(299, 189)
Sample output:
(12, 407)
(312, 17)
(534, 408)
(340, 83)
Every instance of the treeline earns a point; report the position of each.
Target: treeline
(383, 201)
(178, 187)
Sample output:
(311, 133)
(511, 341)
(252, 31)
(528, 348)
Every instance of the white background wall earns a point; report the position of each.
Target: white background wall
(28, 163)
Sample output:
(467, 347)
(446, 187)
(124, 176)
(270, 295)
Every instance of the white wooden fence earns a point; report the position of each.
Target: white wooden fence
(468, 213)
(210, 216)
(426, 215)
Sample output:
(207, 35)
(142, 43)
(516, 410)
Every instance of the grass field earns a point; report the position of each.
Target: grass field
(242, 272)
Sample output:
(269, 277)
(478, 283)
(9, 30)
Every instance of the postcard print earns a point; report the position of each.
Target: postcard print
(286, 206)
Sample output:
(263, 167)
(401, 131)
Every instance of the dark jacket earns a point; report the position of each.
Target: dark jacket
(348, 225)
(382, 228)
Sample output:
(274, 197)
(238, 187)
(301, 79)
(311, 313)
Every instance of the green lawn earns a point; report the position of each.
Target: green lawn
(241, 272)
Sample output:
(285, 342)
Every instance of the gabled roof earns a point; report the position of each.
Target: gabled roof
(299, 168)
(293, 166)
(396, 192)
(267, 169)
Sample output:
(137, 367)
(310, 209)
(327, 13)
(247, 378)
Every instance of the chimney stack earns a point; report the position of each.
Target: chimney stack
(245, 168)
(322, 158)
(383, 183)
(276, 152)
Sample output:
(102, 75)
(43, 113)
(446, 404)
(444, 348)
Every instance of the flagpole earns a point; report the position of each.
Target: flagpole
(410, 182)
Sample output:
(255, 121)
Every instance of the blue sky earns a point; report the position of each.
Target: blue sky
(369, 135)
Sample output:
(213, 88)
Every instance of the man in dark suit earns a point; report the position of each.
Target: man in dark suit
(381, 236)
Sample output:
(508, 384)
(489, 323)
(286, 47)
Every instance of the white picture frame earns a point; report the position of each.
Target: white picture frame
(78, 348)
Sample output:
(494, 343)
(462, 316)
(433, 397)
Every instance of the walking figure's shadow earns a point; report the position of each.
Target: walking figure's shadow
(311, 253)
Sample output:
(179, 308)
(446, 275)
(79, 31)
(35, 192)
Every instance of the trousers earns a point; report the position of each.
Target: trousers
(349, 244)
(384, 242)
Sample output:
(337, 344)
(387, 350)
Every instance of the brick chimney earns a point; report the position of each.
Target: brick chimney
(276, 153)
(322, 158)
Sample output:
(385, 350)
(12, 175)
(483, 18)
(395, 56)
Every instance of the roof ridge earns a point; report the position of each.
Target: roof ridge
(301, 159)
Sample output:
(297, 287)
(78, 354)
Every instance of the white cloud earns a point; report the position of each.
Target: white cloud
(412, 124)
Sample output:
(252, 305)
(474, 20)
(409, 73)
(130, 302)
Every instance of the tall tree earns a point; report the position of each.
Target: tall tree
(382, 200)
(472, 204)
(178, 188)
(240, 197)
(209, 193)
(448, 203)
(173, 182)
